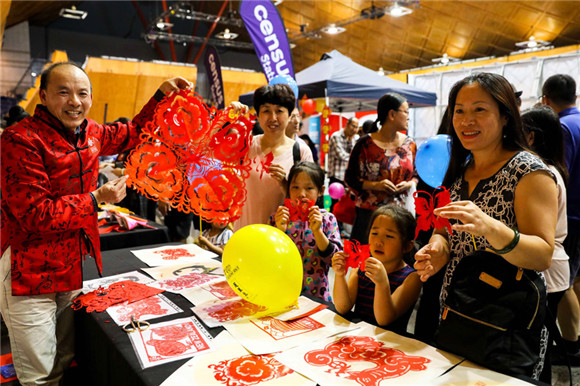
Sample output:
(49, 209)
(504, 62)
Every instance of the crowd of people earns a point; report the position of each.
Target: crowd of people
(513, 181)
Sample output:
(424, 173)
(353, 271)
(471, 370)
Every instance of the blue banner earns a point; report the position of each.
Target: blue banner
(213, 69)
(268, 35)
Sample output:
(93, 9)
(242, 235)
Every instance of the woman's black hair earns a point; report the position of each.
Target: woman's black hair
(276, 94)
(503, 94)
(369, 127)
(314, 171)
(388, 102)
(548, 137)
(404, 220)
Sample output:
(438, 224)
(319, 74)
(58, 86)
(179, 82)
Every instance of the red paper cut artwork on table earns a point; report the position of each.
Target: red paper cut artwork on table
(172, 341)
(249, 370)
(123, 291)
(193, 157)
(233, 310)
(388, 362)
(190, 280)
(174, 254)
(278, 329)
(264, 164)
(357, 254)
(149, 306)
(221, 290)
(298, 209)
(424, 208)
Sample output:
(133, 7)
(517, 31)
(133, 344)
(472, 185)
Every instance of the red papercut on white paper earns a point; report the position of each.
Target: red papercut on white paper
(229, 364)
(170, 341)
(268, 335)
(187, 281)
(386, 362)
(146, 309)
(172, 255)
(369, 356)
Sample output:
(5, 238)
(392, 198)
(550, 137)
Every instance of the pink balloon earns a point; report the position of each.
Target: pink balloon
(336, 190)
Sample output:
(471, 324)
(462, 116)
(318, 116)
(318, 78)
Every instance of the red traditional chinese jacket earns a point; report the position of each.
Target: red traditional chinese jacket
(49, 219)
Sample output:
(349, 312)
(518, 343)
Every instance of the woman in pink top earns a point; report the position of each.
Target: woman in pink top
(266, 186)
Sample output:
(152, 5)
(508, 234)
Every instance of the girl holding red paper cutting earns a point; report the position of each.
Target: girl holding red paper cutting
(314, 230)
(383, 288)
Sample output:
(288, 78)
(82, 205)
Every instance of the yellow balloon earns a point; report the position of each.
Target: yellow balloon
(263, 265)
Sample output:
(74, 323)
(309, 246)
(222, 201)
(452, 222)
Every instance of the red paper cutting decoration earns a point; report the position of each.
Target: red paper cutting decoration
(357, 254)
(424, 208)
(386, 362)
(193, 157)
(298, 209)
(123, 291)
(249, 370)
(233, 310)
(264, 164)
(174, 254)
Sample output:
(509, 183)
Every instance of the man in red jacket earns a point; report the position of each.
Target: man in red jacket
(48, 179)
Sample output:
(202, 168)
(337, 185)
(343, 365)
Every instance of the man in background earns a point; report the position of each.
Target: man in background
(559, 93)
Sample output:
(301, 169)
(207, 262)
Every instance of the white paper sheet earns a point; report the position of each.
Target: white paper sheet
(145, 309)
(368, 356)
(268, 335)
(232, 365)
(209, 266)
(170, 341)
(469, 374)
(173, 254)
(136, 276)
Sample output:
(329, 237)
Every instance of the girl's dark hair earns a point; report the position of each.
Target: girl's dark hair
(404, 220)
(503, 94)
(276, 94)
(388, 102)
(313, 170)
(45, 75)
(548, 137)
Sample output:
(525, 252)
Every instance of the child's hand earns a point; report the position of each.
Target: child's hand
(281, 218)
(339, 263)
(375, 270)
(315, 218)
(203, 241)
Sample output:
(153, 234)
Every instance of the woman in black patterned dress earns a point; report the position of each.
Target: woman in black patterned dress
(497, 187)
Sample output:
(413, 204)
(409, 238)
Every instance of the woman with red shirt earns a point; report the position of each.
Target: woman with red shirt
(381, 166)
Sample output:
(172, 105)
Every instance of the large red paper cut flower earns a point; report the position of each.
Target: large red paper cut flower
(424, 208)
(193, 157)
(357, 254)
(388, 362)
(249, 370)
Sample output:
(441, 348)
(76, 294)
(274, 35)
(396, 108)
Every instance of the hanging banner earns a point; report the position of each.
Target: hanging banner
(268, 35)
(213, 69)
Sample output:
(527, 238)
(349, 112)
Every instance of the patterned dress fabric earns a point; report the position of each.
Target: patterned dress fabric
(316, 263)
(372, 163)
(495, 196)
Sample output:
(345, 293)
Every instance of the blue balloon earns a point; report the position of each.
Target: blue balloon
(432, 159)
(285, 79)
